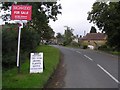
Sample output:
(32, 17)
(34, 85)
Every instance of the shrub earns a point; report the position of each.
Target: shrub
(105, 48)
(85, 46)
(75, 44)
(29, 41)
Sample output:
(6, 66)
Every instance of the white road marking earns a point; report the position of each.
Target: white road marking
(88, 57)
(108, 73)
(78, 52)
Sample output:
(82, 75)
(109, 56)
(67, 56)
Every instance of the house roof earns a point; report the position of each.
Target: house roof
(94, 36)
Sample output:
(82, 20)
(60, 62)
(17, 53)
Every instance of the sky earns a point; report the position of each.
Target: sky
(74, 15)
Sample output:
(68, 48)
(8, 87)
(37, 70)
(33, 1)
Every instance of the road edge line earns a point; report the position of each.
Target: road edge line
(108, 73)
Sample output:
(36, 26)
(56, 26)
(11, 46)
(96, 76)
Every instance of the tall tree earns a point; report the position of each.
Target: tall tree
(68, 35)
(41, 13)
(60, 38)
(31, 33)
(93, 30)
(107, 18)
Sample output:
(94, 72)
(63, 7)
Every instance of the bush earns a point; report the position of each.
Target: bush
(9, 49)
(65, 43)
(105, 48)
(75, 44)
(29, 41)
(85, 46)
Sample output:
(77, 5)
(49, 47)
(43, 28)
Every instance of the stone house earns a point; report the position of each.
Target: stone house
(94, 39)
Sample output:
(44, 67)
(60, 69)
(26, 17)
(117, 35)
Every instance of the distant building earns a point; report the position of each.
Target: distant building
(94, 39)
(76, 39)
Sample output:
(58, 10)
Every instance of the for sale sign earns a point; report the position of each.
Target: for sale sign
(36, 63)
(21, 12)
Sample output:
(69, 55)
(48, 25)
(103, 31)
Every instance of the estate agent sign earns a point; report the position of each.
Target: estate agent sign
(21, 12)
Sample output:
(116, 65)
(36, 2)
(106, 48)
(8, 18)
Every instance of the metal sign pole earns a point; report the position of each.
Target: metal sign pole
(18, 52)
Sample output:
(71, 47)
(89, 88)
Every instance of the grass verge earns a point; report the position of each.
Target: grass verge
(115, 53)
(11, 79)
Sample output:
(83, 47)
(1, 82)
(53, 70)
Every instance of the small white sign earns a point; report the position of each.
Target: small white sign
(36, 63)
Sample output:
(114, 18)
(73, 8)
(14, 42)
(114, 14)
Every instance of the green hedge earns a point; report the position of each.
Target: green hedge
(29, 40)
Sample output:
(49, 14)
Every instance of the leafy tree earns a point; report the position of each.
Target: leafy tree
(31, 34)
(47, 33)
(107, 18)
(41, 13)
(93, 30)
(48, 9)
(60, 38)
(68, 35)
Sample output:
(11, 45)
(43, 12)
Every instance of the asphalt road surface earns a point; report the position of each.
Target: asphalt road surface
(89, 69)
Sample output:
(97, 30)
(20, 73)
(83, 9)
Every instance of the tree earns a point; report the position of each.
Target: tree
(107, 18)
(31, 34)
(49, 9)
(93, 30)
(41, 13)
(48, 33)
(68, 35)
(60, 38)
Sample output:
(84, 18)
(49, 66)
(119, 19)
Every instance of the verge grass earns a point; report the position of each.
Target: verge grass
(11, 79)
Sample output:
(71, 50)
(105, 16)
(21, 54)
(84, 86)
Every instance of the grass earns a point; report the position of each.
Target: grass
(11, 79)
(115, 53)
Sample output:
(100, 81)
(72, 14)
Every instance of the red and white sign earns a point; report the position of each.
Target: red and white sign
(21, 12)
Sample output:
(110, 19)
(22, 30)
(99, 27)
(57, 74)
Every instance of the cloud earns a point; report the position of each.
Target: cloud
(74, 14)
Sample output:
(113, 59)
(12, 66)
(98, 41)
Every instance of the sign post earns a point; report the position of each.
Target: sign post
(18, 52)
(20, 12)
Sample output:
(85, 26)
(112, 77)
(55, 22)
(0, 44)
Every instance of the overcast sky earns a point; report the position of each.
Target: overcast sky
(74, 15)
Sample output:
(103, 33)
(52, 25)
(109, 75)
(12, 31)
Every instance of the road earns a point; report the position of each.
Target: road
(89, 69)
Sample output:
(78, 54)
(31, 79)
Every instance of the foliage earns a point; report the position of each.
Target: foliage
(109, 50)
(68, 35)
(85, 46)
(74, 44)
(105, 48)
(48, 33)
(46, 9)
(93, 30)
(9, 43)
(41, 13)
(107, 18)
(33, 32)
(29, 41)
(60, 38)
(66, 38)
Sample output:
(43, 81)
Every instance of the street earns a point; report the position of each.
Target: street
(89, 68)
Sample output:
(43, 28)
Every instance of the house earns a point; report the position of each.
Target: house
(94, 39)
(75, 39)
